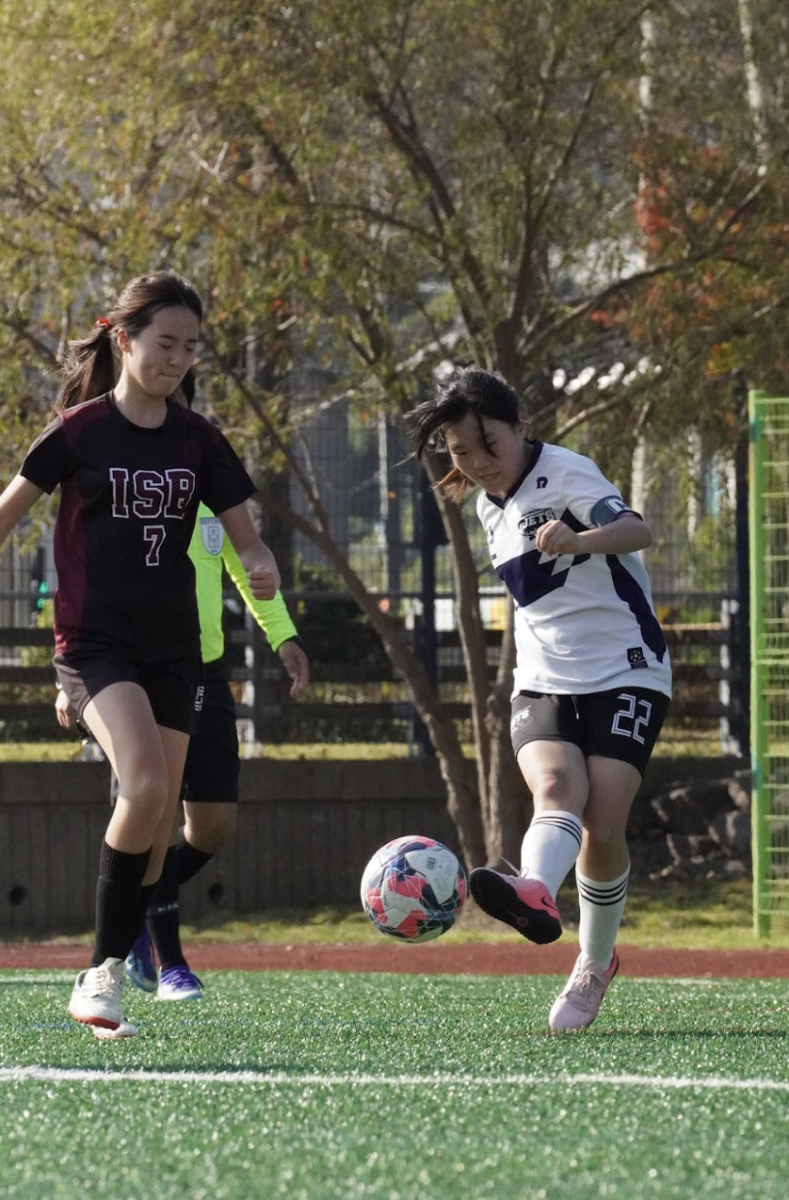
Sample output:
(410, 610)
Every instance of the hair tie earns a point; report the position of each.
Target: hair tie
(101, 323)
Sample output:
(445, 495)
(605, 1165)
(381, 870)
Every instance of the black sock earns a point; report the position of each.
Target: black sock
(189, 860)
(164, 916)
(147, 893)
(117, 902)
(181, 863)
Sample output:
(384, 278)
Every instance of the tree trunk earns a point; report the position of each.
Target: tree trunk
(470, 628)
(753, 82)
(457, 773)
(504, 798)
(509, 801)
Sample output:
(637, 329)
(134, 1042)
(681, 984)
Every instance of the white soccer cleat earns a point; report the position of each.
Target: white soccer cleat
(579, 1003)
(106, 1035)
(96, 998)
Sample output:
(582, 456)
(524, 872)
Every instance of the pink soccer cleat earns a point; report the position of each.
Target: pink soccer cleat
(525, 904)
(579, 1003)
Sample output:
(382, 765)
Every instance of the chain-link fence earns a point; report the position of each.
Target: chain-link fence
(383, 518)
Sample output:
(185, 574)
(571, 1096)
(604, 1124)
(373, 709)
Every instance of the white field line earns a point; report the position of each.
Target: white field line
(39, 978)
(281, 1079)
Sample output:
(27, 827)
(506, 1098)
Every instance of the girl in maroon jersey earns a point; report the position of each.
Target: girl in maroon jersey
(133, 464)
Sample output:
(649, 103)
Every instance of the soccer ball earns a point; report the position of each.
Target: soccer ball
(413, 888)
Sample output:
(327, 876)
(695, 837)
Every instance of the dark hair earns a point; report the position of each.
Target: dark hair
(466, 390)
(90, 368)
(189, 387)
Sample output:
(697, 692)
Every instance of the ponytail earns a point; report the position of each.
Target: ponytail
(90, 368)
(454, 485)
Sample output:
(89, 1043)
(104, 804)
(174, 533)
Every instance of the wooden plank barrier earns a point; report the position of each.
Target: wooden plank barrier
(698, 668)
(306, 831)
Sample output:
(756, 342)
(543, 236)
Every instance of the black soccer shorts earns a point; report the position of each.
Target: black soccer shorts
(211, 771)
(169, 686)
(622, 723)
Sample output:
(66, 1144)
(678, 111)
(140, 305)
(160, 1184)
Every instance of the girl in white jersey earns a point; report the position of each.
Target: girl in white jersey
(592, 678)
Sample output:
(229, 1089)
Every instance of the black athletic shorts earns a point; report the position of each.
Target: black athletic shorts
(212, 768)
(623, 723)
(170, 686)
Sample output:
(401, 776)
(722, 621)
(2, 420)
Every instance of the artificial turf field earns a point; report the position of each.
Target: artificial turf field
(317, 1085)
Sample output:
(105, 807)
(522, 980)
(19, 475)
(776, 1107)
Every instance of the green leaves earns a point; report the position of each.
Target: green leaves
(329, 171)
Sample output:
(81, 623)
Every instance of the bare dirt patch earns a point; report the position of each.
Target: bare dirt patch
(435, 958)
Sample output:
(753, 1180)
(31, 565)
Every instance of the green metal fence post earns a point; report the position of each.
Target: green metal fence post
(758, 703)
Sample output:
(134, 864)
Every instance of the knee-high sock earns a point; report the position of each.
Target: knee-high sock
(550, 847)
(117, 902)
(164, 916)
(602, 907)
(146, 895)
(182, 862)
(189, 860)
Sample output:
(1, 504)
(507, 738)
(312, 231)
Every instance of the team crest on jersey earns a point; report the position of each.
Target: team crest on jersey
(212, 533)
(530, 522)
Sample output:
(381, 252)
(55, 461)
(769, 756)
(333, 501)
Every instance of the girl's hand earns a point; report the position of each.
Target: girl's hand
(263, 582)
(554, 538)
(66, 715)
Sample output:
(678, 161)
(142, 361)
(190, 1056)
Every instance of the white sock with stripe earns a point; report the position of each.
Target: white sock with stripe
(602, 908)
(550, 847)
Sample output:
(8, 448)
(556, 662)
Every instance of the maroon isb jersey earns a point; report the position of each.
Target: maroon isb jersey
(129, 497)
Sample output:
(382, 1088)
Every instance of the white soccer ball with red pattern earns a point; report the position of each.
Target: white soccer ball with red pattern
(413, 888)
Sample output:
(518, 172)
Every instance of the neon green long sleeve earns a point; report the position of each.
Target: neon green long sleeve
(208, 550)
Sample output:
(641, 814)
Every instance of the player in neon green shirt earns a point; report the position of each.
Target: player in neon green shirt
(211, 773)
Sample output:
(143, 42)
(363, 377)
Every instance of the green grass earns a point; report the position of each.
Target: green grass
(697, 914)
(381, 1087)
(708, 914)
(67, 750)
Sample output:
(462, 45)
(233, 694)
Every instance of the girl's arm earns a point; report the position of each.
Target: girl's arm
(17, 499)
(274, 619)
(258, 561)
(623, 536)
(271, 615)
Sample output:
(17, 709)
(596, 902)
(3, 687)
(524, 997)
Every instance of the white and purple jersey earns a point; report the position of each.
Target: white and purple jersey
(583, 622)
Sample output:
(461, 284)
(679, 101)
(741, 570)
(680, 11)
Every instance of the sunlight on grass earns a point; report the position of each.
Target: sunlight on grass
(702, 914)
(693, 915)
(64, 751)
(71, 751)
(332, 751)
(344, 1086)
(709, 914)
